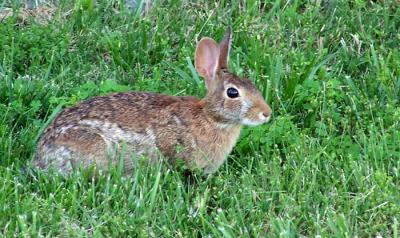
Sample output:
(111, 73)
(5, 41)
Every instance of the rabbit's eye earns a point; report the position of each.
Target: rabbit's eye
(232, 92)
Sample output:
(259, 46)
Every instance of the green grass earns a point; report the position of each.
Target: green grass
(328, 163)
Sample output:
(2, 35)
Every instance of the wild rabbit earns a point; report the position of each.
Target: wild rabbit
(202, 132)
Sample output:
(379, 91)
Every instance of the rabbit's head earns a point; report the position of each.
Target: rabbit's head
(230, 99)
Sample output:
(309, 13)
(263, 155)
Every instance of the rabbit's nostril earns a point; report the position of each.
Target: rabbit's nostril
(266, 114)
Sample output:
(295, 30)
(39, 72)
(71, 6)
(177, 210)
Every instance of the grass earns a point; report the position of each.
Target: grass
(328, 163)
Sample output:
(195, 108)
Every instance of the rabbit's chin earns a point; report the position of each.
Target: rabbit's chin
(248, 122)
(262, 119)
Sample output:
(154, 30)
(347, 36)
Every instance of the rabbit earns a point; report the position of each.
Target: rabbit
(201, 132)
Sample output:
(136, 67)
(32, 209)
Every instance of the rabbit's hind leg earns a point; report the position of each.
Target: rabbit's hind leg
(76, 147)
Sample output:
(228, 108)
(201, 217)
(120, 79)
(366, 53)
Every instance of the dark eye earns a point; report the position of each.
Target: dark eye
(232, 93)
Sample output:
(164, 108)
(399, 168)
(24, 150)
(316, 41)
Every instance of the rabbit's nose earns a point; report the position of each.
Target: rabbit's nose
(267, 116)
(267, 111)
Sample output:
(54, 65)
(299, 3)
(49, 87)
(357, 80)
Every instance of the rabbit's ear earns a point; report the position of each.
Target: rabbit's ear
(225, 46)
(206, 60)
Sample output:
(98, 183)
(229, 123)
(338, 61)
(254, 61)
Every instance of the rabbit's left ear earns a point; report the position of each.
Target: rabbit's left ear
(206, 60)
(225, 46)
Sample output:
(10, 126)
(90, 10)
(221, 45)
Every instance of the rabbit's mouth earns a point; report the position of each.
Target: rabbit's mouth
(261, 119)
(248, 122)
(251, 122)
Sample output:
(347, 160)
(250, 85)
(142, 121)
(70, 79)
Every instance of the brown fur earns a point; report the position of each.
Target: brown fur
(202, 132)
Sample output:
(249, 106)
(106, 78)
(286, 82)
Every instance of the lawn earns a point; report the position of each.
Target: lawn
(328, 163)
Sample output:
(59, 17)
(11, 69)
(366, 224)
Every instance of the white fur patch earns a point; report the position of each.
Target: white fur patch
(112, 132)
(58, 158)
(62, 152)
(248, 122)
(223, 126)
(246, 105)
(262, 119)
(178, 121)
(63, 129)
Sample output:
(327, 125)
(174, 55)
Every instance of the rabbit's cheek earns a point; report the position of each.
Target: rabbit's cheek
(232, 109)
(245, 107)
